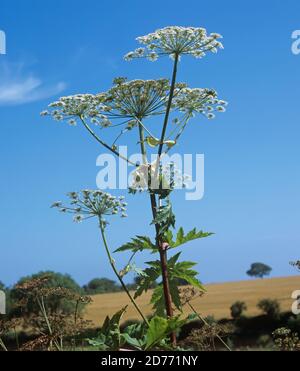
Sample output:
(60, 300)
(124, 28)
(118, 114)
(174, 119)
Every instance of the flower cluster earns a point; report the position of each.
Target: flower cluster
(129, 101)
(92, 203)
(136, 99)
(72, 107)
(202, 101)
(176, 41)
(166, 178)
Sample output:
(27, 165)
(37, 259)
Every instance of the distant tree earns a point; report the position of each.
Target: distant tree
(269, 307)
(54, 280)
(296, 264)
(259, 270)
(101, 286)
(237, 309)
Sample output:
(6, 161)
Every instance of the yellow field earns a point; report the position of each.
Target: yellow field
(216, 301)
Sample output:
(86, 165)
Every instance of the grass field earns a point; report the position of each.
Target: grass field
(216, 301)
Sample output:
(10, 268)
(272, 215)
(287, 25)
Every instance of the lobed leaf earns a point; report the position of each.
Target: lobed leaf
(139, 243)
(181, 238)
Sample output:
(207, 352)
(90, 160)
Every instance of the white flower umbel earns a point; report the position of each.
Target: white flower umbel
(204, 101)
(176, 41)
(92, 203)
(128, 101)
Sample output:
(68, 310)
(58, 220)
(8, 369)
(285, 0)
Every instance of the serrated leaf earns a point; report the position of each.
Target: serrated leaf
(138, 344)
(151, 275)
(158, 301)
(181, 238)
(165, 218)
(175, 295)
(139, 243)
(154, 264)
(172, 261)
(157, 331)
(109, 336)
(182, 270)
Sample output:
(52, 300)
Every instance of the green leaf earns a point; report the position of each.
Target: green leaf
(160, 328)
(138, 344)
(139, 243)
(109, 336)
(158, 297)
(175, 295)
(158, 300)
(181, 238)
(157, 331)
(165, 218)
(99, 342)
(152, 142)
(150, 275)
(113, 323)
(182, 270)
(172, 261)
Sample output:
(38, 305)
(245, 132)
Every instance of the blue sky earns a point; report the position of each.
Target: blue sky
(251, 152)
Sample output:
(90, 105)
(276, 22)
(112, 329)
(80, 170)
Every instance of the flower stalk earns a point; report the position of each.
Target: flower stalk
(112, 264)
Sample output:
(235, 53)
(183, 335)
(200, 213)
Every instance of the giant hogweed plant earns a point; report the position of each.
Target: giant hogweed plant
(157, 112)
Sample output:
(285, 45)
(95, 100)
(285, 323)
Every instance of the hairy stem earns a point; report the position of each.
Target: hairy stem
(164, 267)
(112, 264)
(159, 241)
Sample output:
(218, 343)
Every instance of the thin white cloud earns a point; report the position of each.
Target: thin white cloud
(17, 88)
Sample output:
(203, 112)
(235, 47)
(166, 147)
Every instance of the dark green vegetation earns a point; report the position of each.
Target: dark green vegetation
(259, 270)
(52, 303)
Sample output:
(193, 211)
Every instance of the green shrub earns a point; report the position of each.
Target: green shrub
(101, 286)
(265, 341)
(54, 305)
(237, 309)
(294, 323)
(269, 307)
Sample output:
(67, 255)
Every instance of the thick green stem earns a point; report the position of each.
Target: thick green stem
(112, 264)
(169, 105)
(159, 241)
(142, 143)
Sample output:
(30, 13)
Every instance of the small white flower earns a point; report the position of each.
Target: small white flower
(78, 218)
(152, 57)
(72, 122)
(210, 116)
(56, 204)
(176, 41)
